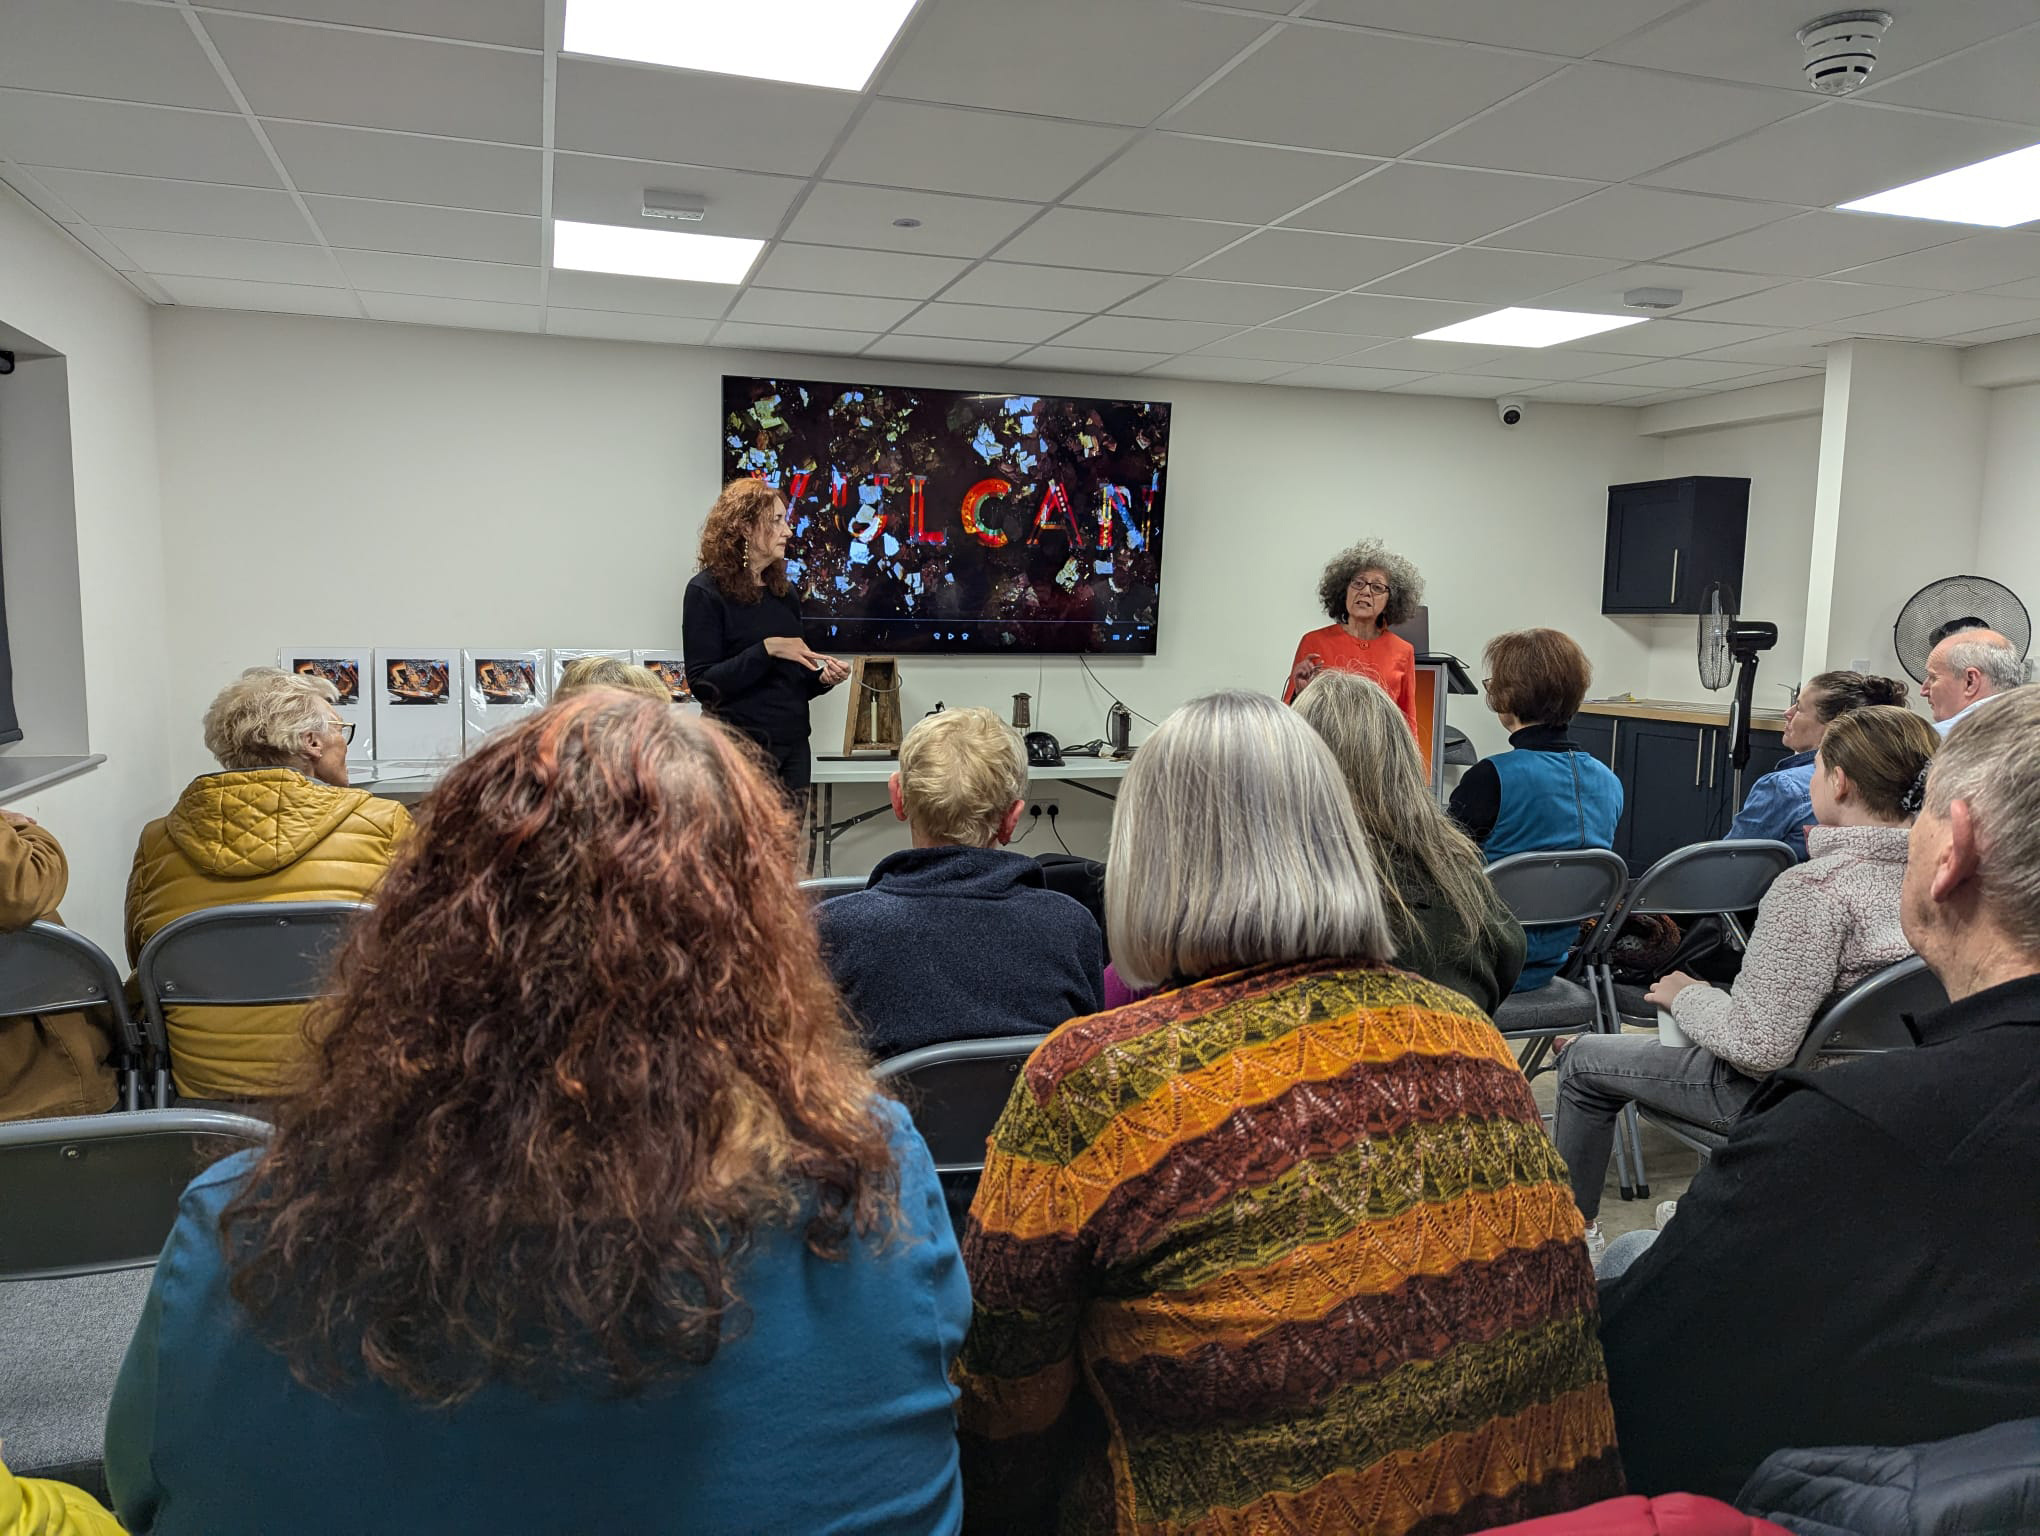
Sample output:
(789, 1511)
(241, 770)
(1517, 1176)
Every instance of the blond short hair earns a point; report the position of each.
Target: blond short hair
(261, 718)
(960, 771)
(1235, 844)
(1992, 760)
(585, 672)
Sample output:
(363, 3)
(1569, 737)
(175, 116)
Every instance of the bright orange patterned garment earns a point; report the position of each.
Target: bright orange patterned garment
(1284, 1251)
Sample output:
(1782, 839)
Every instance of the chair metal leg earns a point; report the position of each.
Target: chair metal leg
(1635, 1131)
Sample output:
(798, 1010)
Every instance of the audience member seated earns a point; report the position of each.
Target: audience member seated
(959, 937)
(1780, 804)
(1283, 1246)
(1823, 926)
(1968, 668)
(1859, 1265)
(35, 1506)
(279, 824)
(54, 1063)
(1547, 791)
(1447, 923)
(589, 1219)
(585, 672)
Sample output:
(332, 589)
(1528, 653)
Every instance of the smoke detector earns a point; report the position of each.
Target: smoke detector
(1841, 49)
(1654, 298)
(680, 207)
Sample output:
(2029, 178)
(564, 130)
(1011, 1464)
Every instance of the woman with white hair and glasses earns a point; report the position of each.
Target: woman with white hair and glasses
(279, 823)
(1284, 1241)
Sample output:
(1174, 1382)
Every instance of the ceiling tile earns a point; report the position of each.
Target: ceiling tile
(1587, 394)
(1638, 223)
(1088, 359)
(692, 119)
(1999, 333)
(1745, 40)
(513, 23)
(1677, 373)
(1604, 291)
(1841, 151)
(836, 214)
(1479, 276)
(641, 295)
(476, 314)
(275, 298)
(951, 149)
(1230, 370)
(1275, 345)
(1668, 396)
(188, 207)
(408, 167)
(1376, 314)
(439, 277)
(1430, 202)
(1298, 258)
(987, 322)
(608, 325)
(942, 349)
(1572, 27)
(1428, 356)
(1553, 127)
(258, 261)
(72, 132)
(1676, 338)
(1963, 266)
(1948, 316)
(31, 184)
(1008, 282)
(1129, 332)
(790, 338)
(361, 224)
(1465, 387)
(371, 80)
(604, 191)
(827, 311)
(1996, 81)
(1543, 363)
(2025, 290)
(1123, 63)
(1333, 376)
(1323, 88)
(1776, 352)
(1189, 298)
(109, 49)
(1117, 242)
(1207, 179)
(1810, 303)
(1774, 376)
(837, 269)
(1816, 244)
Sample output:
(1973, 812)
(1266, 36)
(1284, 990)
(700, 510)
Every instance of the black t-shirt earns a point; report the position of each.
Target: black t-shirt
(742, 684)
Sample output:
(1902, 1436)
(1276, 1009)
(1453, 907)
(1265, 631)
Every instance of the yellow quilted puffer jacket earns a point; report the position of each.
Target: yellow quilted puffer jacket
(267, 835)
(30, 1506)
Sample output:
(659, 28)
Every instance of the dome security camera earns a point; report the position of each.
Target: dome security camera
(1511, 412)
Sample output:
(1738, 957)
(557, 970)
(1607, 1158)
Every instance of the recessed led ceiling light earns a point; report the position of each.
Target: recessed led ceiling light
(1530, 327)
(836, 43)
(652, 252)
(1998, 193)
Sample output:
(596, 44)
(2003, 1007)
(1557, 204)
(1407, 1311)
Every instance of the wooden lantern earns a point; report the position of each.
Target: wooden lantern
(872, 723)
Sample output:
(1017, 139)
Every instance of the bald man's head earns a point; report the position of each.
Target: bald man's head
(1969, 665)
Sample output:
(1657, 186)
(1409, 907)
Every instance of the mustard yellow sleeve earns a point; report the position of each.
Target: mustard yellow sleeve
(33, 875)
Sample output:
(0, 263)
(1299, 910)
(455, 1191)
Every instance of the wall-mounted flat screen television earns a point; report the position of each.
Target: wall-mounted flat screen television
(932, 520)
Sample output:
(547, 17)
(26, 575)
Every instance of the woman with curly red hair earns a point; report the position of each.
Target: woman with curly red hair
(741, 632)
(590, 1218)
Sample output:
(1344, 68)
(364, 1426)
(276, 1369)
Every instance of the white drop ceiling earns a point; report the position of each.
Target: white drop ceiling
(1262, 191)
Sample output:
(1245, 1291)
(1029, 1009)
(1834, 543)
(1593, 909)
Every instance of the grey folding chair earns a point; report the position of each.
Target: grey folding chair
(251, 955)
(45, 968)
(957, 1091)
(822, 887)
(1719, 877)
(1870, 1018)
(1555, 887)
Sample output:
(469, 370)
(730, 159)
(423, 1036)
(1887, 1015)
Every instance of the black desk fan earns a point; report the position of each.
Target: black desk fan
(1727, 641)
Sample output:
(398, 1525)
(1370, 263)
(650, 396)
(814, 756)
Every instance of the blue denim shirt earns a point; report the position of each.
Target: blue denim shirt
(1780, 805)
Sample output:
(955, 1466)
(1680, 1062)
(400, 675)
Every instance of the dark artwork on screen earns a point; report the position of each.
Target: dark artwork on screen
(933, 520)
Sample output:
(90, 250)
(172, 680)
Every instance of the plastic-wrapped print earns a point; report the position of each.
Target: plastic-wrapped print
(499, 687)
(671, 669)
(418, 720)
(351, 671)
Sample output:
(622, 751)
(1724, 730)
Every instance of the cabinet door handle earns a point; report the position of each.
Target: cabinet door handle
(1699, 745)
(1675, 577)
(1614, 737)
(1710, 768)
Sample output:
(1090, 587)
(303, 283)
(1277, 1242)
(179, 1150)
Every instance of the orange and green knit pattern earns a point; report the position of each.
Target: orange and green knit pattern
(1283, 1251)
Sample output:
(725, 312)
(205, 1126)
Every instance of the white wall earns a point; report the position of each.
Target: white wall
(2008, 532)
(454, 487)
(56, 292)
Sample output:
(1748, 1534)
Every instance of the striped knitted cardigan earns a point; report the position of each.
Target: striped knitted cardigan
(1281, 1251)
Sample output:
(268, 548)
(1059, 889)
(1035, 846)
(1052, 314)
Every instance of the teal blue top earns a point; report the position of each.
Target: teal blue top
(830, 1412)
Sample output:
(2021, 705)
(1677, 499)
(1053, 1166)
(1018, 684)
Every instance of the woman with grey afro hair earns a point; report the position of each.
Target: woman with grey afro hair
(1365, 591)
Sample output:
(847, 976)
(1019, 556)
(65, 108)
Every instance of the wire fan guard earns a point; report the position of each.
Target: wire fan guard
(1716, 620)
(1951, 598)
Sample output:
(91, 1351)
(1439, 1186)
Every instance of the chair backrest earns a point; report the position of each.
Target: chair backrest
(822, 887)
(1728, 876)
(1559, 886)
(99, 1192)
(1869, 1018)
(48, 969)
(957, 1091)
(244, 956)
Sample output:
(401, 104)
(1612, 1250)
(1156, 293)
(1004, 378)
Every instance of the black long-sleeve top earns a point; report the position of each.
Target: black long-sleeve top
(742, 684)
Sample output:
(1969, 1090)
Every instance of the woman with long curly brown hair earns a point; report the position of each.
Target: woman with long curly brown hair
(590, 1218)
(741, 631)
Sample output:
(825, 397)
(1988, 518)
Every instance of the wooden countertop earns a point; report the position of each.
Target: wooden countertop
(1680, 712)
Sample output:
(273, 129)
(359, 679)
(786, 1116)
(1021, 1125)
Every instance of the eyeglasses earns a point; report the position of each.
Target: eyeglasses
(1378, 588)
(345, 728)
